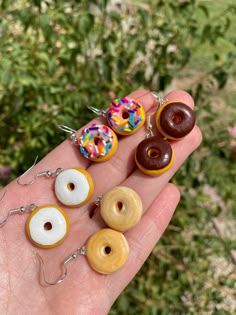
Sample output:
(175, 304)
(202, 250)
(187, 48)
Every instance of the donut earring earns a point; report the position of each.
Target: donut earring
(73, 187)
(46, 227)
(121, 208)
(106, 251)
(174, 119)
(97, 143)
(124, 115)
(154, 155)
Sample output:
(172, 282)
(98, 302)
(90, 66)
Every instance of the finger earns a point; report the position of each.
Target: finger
(144, 237)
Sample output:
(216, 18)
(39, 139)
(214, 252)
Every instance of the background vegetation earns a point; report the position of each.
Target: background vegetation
(56, 57)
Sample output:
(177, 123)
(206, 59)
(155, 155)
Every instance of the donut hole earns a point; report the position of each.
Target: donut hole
(125, 114)
(70, 186)
(96, 141)
(177, 119)
(107, 250)
(119, 206)
(47, 226)
(154, 153)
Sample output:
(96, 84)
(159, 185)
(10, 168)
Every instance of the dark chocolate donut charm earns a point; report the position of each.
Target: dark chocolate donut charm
(175, 120)
(154, 156)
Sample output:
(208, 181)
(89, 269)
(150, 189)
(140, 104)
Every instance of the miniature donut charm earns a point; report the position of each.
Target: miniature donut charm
(98, 143)
(47, 226)
(125, 116)
(154, 156)
(121, 208)
(74, 187)
(175, 120)
(107, 251)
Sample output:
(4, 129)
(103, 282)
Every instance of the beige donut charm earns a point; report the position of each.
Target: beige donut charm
(121, 208)
(107, 251)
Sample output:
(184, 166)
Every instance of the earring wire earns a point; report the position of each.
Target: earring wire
(79, 251)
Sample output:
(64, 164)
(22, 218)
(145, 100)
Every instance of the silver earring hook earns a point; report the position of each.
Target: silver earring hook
(149, 128)
(20, 210)
(161, 100)
(48, 174)
(98, 112)
(79, 251)
(3, 195)
(33, 180)
(71, 131)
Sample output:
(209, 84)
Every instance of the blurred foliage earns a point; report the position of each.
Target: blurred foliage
(57, 57)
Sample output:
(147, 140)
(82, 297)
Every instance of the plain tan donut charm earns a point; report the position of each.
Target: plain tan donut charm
(107, 251)
(121, 208)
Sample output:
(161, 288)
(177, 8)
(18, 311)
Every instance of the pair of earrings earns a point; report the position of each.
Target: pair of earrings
(174, 120)
(107, 250)
(125, 116)
(99, 142)
(48, 225)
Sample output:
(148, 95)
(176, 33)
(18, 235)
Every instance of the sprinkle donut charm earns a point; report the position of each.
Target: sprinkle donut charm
(107, 251)
(175, 120)
(125, 116)
(74, 187)
(154, 156)
(47, 226)
(121, 208)
(98, 143)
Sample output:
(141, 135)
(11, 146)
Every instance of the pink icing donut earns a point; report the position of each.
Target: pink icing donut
(98, 143)
(125, 116)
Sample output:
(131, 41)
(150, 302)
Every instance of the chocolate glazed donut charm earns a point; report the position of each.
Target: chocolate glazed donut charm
(175, 119)
(154, 155)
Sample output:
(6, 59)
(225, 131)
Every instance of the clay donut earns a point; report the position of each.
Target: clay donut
(107, 251)
(125, 116)
(98, 143)
(154, 156)
(175, 120)
(47, 226)
(121, 208)
(74, 187)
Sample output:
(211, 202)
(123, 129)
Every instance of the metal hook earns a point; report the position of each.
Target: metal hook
(98, 112)
(71, 131)
(161, 100)
(4, 194)
(149, 128)
(79, 251)
(33, 180)
(20, 210)
(45, 173)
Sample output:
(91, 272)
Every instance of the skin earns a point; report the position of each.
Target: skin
(84, 291)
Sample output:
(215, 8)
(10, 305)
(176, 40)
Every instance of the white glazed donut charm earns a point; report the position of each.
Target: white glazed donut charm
(47, 226)
(74, 187)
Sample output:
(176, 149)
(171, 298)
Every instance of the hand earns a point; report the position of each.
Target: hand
(84, 291)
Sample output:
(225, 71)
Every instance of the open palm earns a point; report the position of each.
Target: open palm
(84, 291)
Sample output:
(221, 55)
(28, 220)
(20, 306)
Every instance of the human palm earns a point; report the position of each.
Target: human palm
(84, 291)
